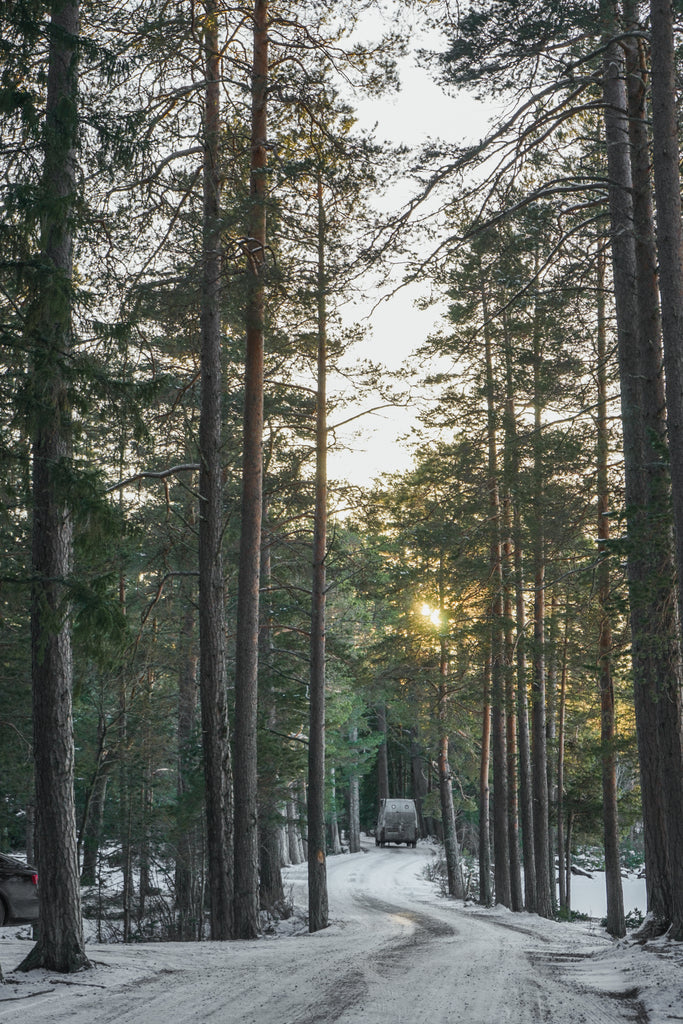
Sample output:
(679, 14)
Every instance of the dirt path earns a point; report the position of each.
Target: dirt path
(394, 952)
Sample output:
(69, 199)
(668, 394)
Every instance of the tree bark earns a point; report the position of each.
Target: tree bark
(92, 825)
(60, 945)
(188, 910)
(450, 838)
(247, 924)
(93, 810)
(501, 852)
(568, 860)
(317, 867)
(615, 901)
(419, 781)
(655, 645)
(212, 658)
(516, 897)
(485, 892)
(666, 158)
(271, 888)
(511, 466)
(296, 850)
(561, 852)
(544, 905)
(382, 755)
(550, 735)
(335, 840)
(354, 801)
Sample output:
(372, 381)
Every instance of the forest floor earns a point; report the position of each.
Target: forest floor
(395, 951)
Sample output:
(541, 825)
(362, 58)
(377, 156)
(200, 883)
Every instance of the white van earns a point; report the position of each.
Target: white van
(397, 822)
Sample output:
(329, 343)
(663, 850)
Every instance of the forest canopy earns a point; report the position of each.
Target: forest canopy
(216, 658)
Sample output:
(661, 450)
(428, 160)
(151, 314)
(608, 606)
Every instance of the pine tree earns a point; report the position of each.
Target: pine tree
(60, 946)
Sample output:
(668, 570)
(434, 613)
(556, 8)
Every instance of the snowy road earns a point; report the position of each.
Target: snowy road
(395, 951)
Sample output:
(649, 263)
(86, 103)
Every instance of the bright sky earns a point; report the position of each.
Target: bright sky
(418, 112)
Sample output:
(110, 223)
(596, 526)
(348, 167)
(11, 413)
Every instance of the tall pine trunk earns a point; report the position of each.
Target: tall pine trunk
(382, 754)
(60, 945)
(188, 910)
(450, 838)
(655, 644)
(317, 864)
(212, 657)
(418, 777)
(551, 734)
(271, 888)
(544, 905)
(247, 924)
(561, 852)
(516, 898)
(93, 810)
(615, 902)
(511, 468)
(354, 799)
(501, 866)
(666, 159)
(485, 892)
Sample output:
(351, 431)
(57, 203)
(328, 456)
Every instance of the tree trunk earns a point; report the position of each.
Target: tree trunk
(485, 893)
(93, 811)
(247, 924)
(501, 851)
(516, 897)
(60, 945)
(511, 468)
(317, 867)
(188, 912)
(544, 905)
(382, 755)
(655, 647)
(271, 888)
(550, 736)
(92, 831)
(568, 860)
(666, 158)
(145, 796)
(450, 838)
(354, 802)
(561, 853)
(615, 902)
(296, 850)
(419, 781)
(335, 841)
(212, 658)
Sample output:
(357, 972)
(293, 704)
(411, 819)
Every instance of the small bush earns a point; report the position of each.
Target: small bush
(634, 919)
(564, 914)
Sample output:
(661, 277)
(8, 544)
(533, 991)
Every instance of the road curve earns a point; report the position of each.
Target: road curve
(393, 952)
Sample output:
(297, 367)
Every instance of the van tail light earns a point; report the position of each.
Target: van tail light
(34, 879)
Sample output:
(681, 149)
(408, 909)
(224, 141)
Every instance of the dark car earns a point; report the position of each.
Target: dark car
(18, 890)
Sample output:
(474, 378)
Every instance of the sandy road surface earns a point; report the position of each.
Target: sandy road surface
(394, 952)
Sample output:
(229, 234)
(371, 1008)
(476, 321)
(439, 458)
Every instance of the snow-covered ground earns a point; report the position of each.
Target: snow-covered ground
(589, 894)
(395, 950)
